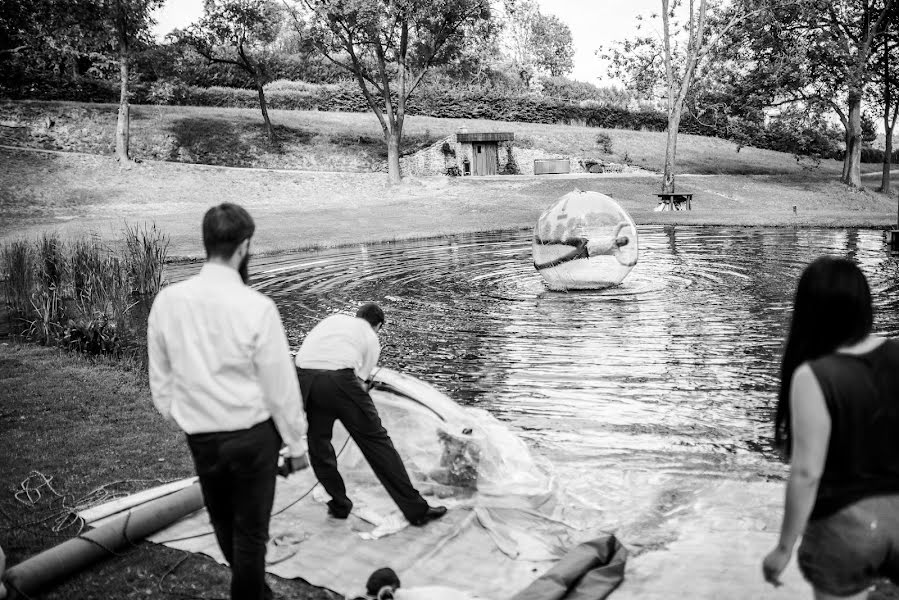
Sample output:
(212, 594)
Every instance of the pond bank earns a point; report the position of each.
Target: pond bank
(76, 194)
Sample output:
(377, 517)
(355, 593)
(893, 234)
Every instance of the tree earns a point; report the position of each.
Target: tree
(237, 32)
(99, 34)
(884, 95)
(817, 53)
(388, 46)
(553, 45)
(536, 43)
(669, 63)
(130, 20)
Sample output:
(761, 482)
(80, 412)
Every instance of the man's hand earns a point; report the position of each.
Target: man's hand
(774, 564)
(291, 464)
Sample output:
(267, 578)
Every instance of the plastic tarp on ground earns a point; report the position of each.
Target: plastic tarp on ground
(508, 523)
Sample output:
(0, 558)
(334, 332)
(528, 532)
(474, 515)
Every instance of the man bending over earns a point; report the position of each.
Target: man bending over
(333, 363)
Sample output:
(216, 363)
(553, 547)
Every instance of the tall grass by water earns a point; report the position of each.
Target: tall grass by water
(86, 295)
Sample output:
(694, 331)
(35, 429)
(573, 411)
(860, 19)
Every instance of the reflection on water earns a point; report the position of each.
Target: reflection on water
(675, 371)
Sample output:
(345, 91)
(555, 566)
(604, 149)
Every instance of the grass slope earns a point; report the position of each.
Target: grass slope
(352, 141)
(78, 194)
(85, 424)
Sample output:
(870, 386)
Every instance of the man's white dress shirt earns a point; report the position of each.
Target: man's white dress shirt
(219, 359)
(341, 342)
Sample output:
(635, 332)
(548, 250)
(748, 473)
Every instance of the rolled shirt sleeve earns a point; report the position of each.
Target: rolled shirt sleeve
(278, 380)
(162, 381)
(371, 352)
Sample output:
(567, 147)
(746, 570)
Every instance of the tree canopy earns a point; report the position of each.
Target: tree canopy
(240, 33)
(388, 46)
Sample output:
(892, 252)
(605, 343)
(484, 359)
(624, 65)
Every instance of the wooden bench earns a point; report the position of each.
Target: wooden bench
(674, 200)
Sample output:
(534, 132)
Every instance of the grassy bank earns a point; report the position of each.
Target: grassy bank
(74, 194)
(353, 142)
(89, 427)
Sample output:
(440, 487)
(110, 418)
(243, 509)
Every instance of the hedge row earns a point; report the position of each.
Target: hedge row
(444, 104)
(346, 97)
(437, 102)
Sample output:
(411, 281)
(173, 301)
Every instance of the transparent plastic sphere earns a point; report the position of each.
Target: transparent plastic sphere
(584, 241)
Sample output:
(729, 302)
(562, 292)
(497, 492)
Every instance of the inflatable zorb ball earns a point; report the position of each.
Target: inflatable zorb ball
(584, 241)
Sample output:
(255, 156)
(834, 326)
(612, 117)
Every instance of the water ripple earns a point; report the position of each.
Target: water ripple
(674, 370)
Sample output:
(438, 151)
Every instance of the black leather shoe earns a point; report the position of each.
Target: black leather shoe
(433, 513)
(339, 511)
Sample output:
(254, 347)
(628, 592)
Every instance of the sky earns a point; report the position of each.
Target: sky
(593, 23)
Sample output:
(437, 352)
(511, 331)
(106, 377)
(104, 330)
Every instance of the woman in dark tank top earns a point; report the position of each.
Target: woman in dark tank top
(838, 421)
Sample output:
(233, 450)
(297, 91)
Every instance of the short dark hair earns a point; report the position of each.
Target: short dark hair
(381, 578)
(372, 313)
(224, 227)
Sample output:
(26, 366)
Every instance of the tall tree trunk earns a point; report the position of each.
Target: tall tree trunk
(262, 105)
(393, 155)
(852, 161)
(671, 149)
(123, 125)
(887, 161)
(887, 126)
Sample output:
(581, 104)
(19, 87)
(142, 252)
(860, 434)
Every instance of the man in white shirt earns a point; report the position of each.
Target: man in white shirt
(220, 369)
(334, 360)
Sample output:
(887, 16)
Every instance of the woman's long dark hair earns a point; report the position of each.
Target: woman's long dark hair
(832, 308)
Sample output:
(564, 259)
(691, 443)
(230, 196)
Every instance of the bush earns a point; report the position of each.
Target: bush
(289, 85)
(167, 91)
(604, 141)
(580, 91)
(511, 166)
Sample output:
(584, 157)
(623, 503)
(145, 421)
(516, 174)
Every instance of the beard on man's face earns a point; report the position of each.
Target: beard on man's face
(243, 269)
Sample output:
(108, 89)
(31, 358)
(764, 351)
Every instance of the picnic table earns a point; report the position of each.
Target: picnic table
(675, 199)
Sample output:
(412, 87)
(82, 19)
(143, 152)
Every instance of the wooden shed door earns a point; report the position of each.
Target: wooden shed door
(480, 160)
(490, 154)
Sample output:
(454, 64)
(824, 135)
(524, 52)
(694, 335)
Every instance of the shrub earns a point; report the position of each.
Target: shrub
(604, 141)
(447, 150)
(167, 91)
(289, 85)
(511, 166)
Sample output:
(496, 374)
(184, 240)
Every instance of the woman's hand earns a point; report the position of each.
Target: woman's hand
(774, 564)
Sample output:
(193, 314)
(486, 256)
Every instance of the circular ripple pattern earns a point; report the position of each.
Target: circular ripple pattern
(673, 371)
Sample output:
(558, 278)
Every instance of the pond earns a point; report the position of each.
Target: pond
(674, 372)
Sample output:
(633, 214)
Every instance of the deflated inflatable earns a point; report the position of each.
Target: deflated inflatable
(585, 240)
(508, 520)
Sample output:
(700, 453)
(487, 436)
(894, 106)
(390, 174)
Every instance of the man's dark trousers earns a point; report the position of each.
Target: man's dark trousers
(237, 471)
(332, 395)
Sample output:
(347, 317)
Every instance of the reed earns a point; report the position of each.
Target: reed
(147, 248)
(80, 295)
(17, 271)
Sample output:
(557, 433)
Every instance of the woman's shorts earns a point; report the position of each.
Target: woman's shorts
(844, 554)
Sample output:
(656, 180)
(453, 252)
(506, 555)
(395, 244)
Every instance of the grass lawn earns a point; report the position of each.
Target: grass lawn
(335, 141)
(86, 424)
(77, 194)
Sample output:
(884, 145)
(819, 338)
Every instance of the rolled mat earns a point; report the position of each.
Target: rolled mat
(590, 571)
(50, 566)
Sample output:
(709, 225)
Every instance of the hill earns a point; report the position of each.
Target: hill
(333, 141)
